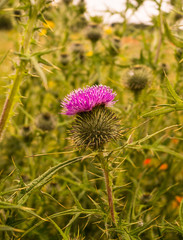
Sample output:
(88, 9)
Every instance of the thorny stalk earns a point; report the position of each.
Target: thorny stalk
(26, 41)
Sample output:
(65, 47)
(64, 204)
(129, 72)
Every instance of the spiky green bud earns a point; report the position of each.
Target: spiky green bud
(137, 78)
(93, 129)
(5, 22)
(67, 2)
(64, 59)
(27, 133)
(94, 32)
(45, 121)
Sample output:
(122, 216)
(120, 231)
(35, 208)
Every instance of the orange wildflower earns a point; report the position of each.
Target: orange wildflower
(175, 140)
(179, 199)
(163, 166)
(147, 161)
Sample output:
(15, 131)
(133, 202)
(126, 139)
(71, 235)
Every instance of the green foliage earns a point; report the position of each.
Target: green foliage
(48, 188)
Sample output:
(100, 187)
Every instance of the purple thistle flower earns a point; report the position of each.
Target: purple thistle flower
(84, 100)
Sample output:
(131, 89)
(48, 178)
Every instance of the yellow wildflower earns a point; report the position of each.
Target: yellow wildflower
(89, 54)
(108, 30)
(49, 24)
(51, 84)
(43, 32)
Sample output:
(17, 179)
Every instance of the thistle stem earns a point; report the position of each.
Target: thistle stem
(108, 184)
(10, 100)
(109, 193)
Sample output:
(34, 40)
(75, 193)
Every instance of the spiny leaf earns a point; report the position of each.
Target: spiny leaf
(9, 228)
(6, 205)
(160, 148)
(158, 112)
(4, 57)
(46, 51)
(169, 107)
(75, 199)
(40, 72)
(175, 228)
(172, 91)
(44, 178)
(65, 237)
(171, 37)
(67, 212)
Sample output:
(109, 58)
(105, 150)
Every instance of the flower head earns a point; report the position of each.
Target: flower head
(94, 124)
(83, 100)
(147, 161)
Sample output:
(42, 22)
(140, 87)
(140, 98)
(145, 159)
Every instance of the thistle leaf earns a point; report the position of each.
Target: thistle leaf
(171, 37)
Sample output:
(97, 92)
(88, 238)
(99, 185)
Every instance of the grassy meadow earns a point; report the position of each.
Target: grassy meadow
(49, 187)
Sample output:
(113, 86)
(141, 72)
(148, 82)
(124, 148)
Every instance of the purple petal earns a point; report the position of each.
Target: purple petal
(83, 100)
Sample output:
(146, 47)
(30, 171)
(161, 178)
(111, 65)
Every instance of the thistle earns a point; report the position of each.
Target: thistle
(95, 124)
(67, 2)
(78, 51)
(27, 133)
(77, 48)
(137, 78)
(94, 33)
(45, 122)
(64, 59)
(5, 22)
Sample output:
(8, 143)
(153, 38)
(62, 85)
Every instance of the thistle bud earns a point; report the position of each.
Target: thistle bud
(45, 122)
(17, 15)
(79, 24)
(78, 50)
(67, 2)
(5, 22)
(27, 134)
(81, 7)
(95, 124)
(145, 198)
(93, 33)
(137, 78)
(64, 59)
(12, 146)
